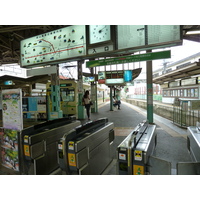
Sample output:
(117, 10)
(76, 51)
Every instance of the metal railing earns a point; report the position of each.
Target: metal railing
(184, 115)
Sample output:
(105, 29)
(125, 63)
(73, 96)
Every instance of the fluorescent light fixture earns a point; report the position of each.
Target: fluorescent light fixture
(193, 32)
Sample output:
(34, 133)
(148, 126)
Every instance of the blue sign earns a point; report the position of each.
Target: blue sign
(127, 75)
(8, 83)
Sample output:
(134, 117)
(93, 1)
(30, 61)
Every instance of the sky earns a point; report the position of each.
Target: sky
(188, 48)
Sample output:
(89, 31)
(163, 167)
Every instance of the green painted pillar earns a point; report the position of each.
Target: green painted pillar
(56, 111)
(93, 97)
(81, 109)
(111, 99)
(149, 90)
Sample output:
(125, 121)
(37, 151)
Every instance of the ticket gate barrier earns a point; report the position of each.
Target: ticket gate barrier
(88, 149)
(193, 145)
(193, 142)
(38, 144)
(135, 150)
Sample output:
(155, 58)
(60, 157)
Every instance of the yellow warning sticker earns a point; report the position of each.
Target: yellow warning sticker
(138, 170)
(71, 145)
(26, 139)
(26, 150)
(72, 159)
(138, 155)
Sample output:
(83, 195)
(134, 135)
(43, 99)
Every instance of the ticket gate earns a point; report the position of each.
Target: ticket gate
(135, 150)
(193, 145)
(88, 149)
(38, 144)
(193, 142)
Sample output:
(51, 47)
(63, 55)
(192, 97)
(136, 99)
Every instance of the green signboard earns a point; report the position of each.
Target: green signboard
(129, 59)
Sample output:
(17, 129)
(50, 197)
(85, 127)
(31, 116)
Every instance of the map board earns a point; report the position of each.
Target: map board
(55, 46)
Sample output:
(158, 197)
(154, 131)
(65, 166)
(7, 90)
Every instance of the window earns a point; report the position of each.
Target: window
(67, 94)
(178, 93)
(185, 92)
(196, 92)
(189, 93)
(192, 92)
(181, 94)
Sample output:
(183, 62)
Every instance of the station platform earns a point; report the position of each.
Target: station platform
(171, 140)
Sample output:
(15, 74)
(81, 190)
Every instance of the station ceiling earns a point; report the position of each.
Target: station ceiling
(11, 35)
(22, 82)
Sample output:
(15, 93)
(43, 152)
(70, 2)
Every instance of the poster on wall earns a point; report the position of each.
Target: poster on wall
(12, 125)
(9, 149)
(12, 109)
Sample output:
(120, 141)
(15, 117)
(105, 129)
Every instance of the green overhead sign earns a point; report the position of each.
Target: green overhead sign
(129, 59)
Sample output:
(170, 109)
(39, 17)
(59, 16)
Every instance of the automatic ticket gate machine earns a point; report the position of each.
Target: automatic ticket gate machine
(134, 151)
(38, 144)
(193, 146)
(88, 149)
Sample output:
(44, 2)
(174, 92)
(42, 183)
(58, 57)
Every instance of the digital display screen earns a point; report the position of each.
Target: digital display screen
(115, 77)
(115, 81)
(65, 85)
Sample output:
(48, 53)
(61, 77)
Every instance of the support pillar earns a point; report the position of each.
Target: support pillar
(81, 109)
(111, 99)
(149, 90)
(93, 94)
(55, 111)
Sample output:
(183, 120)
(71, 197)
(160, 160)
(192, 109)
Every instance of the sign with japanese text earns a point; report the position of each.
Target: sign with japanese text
(129, 59)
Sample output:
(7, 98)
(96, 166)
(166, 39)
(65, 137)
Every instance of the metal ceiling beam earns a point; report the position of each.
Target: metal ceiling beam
(20, 27)
(5, 47)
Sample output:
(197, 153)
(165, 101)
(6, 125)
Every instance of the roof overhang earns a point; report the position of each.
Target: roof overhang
(185, 72)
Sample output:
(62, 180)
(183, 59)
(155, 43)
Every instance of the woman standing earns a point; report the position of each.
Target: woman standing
(87, 103)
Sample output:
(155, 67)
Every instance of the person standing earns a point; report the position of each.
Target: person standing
(87, 103)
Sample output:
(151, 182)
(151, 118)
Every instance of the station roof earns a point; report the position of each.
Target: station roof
(11, 35)
(20, 82)
(184, 72)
